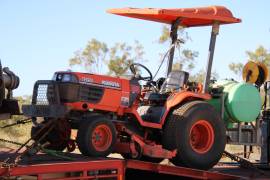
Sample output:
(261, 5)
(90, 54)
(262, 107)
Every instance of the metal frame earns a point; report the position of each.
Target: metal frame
(85, 170)
(239, 138)
(214, 33)
(173, 35)
(113, 168)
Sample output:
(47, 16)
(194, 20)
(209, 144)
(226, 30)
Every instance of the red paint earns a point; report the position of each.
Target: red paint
(190, 17)
(202, 136)
(101, 137)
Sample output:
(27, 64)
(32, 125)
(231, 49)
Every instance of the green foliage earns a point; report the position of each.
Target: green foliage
(122, 56)
(199, 77)
(260, 54)
(165, 35)
(186, 57)
(117, 58)
(236, 68)
(91, 57)
(177, 66)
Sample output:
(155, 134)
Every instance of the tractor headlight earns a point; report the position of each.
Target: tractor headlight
(65, 77)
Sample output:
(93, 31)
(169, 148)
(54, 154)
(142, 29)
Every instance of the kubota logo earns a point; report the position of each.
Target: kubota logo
(110, 83)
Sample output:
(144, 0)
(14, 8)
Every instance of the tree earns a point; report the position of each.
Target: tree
(260, 54)
(165, 34)
(91, 57)
(122, 56)
(236, 68)
(116, 59)
(200, 76)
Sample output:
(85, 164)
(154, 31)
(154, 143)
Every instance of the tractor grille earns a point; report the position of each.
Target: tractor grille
(53, 92)
(71, 92)
(49, 98)
(45, 101)
(92, 94)
(45, 93)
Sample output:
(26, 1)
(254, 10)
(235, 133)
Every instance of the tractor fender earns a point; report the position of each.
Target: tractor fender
(179, 98)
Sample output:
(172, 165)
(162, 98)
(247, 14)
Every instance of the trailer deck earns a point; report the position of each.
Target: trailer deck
(44, 166)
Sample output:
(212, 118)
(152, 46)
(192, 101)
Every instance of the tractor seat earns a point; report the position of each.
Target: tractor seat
(174, 82)
(155, 97)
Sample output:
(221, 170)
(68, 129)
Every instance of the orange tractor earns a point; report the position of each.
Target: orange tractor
(165, 119)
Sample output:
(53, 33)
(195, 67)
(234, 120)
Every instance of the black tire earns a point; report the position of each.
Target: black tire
(177, 135)
(87, 130)
(58, 140)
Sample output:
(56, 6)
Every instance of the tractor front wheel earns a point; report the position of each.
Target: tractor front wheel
(96, 137)
(198, 133)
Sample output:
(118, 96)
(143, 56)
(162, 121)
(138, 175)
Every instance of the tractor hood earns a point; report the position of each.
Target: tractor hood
(190, 17)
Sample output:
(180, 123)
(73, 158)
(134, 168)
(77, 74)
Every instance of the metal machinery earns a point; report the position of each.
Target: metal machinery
(185, 122)
(8, 82)
(173, 120)
(240, 105)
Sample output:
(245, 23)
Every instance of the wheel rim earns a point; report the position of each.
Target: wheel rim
(201, 136)
(102, 137)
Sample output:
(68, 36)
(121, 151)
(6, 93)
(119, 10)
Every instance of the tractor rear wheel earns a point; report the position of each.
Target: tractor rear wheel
(96, 137)
(198, 133)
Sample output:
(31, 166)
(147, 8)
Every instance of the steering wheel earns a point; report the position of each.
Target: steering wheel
(132, 68)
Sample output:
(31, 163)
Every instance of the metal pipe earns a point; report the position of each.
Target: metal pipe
(214, 33)
(11, 81)
(7, 81)
(173, 36)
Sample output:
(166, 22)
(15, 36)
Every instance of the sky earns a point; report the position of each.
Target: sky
(38, 38)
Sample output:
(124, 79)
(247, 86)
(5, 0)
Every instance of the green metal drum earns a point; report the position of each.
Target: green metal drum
(242, 101)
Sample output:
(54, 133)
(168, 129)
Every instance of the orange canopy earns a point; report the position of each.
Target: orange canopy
(190, 17)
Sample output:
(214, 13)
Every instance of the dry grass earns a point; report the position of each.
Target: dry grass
(237, 149)
(20, 134)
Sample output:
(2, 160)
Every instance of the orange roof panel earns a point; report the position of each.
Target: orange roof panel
(202, 16)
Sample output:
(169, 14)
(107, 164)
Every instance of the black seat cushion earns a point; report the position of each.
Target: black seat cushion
(154, 96)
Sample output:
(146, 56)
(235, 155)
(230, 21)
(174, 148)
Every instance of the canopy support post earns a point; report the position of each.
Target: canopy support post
(214, 33)
(173, 35)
